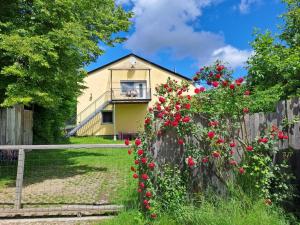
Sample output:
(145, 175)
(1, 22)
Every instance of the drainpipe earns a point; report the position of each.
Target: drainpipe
(114, 119)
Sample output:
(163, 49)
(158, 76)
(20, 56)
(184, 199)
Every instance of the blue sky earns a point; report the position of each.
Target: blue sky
(186, 34)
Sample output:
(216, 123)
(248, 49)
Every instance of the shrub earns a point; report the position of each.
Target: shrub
(217, 151)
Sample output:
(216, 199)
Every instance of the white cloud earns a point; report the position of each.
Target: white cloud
(122, 2)
(233, 56)
(245, 5)
(166, 25)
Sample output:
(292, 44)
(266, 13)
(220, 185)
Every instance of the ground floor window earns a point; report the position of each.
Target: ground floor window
(107, 116)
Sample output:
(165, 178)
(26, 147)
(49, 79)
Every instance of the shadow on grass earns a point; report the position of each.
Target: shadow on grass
(43, 165)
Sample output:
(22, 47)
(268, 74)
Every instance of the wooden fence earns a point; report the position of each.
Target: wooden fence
(16, 126)
(286, 110)
(167, 151)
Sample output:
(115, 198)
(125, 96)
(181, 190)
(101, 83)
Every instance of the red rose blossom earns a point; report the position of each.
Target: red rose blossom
(180, 141)
(174, 123)
(247, 92)
(220, 68)
(129, 151)
(153, 216)
(239, 81)
(136, 162)
(211, 134)
(232, 144)
(218, 76)
(187, 106)
(245, 110)
(145, 176)
(216, 154)
(138, 142)
(213, 123)
(241, 170)
(231, 86)
(197, 90)
(160, 115)
(215, 83)
(147, 120)
(249, 148)
(202, 89)
(158, 107)
(144, 160)
(140, 152)
(142, 185)
(139, 190)
(127, 142)
(151, 165)
(186, 119)
(135, 176)
(280, 135)
(162, 99)
(190, 161)
(233, 162)
(146, 202)
(148, 194)
(224, 83)
(205, 160)
(263, 140)
(220, 141)
(167, 123)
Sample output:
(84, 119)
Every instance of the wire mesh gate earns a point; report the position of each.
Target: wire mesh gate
(63, 179)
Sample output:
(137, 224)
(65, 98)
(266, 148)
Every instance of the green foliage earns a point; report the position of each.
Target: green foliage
(275, 64)
(267, 176)
(44, 45)
(171, 191)
(214, 211)
(265, 99)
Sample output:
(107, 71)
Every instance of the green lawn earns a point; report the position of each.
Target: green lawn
(94, 140)
(81, 176)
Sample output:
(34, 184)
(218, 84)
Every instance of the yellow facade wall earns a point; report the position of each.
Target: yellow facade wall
(129, 117)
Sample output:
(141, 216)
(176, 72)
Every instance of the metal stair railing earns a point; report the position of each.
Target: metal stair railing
(89, 112)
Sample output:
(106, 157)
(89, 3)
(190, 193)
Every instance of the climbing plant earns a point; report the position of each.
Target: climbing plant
(219, 149)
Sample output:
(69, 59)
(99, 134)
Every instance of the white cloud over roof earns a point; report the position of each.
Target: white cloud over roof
(168, 25)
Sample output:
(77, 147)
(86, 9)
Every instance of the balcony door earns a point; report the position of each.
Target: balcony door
(134, 89)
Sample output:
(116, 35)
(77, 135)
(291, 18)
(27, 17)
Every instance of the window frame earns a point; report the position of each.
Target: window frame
(131, 81)
(112, 116)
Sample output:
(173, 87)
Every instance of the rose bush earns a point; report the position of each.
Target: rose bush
(220, 149)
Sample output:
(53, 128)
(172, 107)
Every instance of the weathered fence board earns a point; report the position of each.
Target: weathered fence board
(290, 109)
(15, 126)
(167, 150)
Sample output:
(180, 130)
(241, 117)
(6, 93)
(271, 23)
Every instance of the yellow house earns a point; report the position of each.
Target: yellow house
(118, 95)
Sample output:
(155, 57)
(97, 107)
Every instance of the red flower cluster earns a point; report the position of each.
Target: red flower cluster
(190, 161)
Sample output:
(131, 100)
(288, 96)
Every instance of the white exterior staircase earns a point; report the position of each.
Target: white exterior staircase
(87, 114)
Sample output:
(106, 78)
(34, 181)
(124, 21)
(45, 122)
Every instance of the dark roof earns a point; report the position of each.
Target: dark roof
(141, 58)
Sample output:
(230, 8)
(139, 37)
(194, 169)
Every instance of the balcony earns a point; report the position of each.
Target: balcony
(131, 95)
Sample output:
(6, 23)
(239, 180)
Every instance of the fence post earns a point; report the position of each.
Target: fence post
(19, 181)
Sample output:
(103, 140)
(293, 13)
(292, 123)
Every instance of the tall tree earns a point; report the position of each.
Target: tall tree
(274, 68)
(43, 47)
